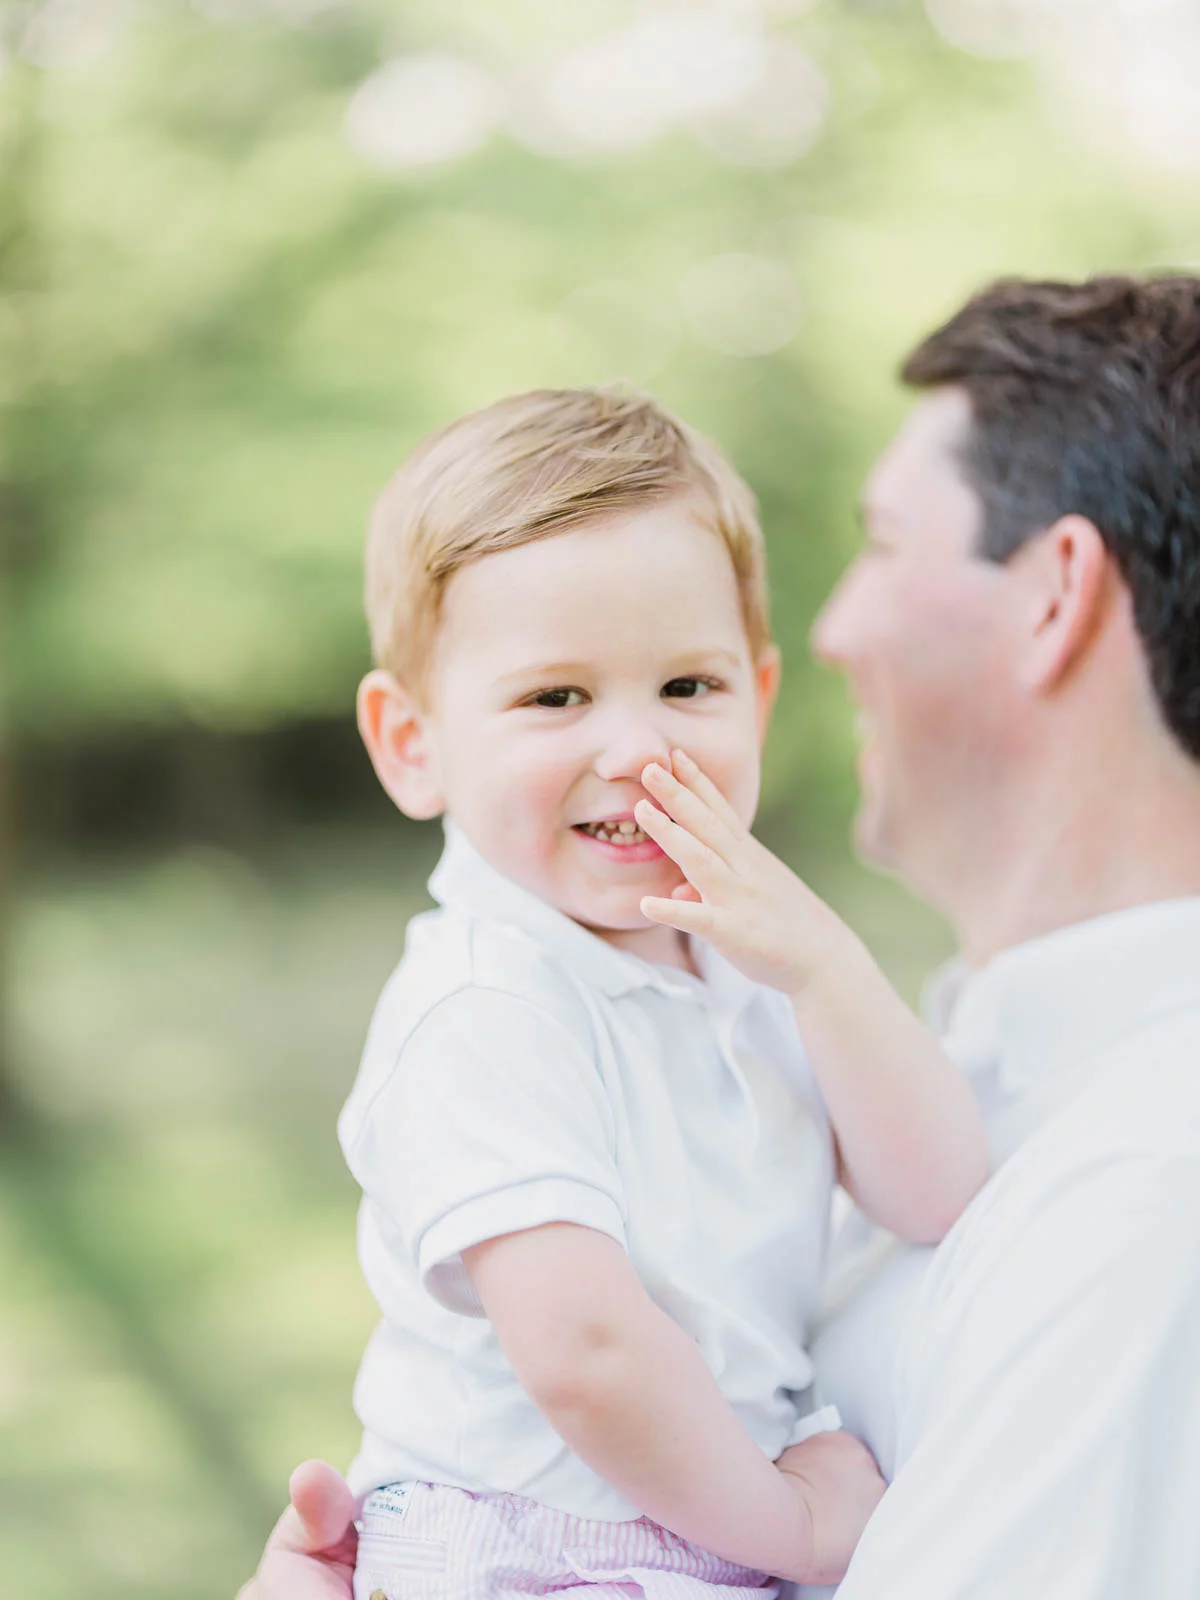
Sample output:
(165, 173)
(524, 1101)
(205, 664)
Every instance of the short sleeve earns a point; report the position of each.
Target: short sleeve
(493, 1119)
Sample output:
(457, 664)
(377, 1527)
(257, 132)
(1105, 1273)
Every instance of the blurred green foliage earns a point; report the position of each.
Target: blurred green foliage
(220, 329)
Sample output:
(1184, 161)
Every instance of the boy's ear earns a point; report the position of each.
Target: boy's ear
(767, 671)
(398, 742)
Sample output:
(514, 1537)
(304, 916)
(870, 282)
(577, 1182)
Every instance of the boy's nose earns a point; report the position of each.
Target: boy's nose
(629, 746)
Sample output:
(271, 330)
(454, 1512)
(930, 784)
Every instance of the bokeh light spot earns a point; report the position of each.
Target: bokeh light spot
(423, 111)
(741, 304)
(71, 33)
(994, 29)
(778, 118)
(668, 67)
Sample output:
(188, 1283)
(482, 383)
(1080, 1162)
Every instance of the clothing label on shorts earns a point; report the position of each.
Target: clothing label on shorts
(392, 1502)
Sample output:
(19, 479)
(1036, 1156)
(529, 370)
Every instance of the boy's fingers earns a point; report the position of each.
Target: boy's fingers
(688, 809)
(689, 916)
(695, 859)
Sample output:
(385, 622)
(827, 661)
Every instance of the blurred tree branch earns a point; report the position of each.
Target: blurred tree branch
(47, 1175)
(19, 408)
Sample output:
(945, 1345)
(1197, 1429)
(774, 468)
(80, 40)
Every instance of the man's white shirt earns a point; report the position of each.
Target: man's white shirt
(521, 1071)
(1040, 1415)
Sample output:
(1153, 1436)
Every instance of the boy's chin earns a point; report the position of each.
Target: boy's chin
(618, 913)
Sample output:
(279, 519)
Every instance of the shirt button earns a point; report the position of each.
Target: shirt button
(378, 1594)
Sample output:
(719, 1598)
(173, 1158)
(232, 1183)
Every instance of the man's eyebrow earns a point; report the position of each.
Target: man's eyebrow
(867, 513)
(863, 515)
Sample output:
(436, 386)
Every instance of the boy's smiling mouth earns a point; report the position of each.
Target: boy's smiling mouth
(620, 836)
(616, 830)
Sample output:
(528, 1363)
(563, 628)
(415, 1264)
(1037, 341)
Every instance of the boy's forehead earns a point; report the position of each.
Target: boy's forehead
(653, 573)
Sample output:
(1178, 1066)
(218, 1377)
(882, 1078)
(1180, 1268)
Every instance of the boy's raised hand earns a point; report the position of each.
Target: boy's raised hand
(911, 1149)
(738, 896)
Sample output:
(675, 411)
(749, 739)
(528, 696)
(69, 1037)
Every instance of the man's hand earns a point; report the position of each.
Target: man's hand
(310, 1554)
(836, 1477)
(738, 896)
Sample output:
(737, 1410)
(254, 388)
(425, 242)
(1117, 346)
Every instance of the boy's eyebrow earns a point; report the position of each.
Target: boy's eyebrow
(543, 670)
(562, 671)
(692, 657)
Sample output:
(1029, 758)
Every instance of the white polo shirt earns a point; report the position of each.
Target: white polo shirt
(1034, 1384)
(520, 1071)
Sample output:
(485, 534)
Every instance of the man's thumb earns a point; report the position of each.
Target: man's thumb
(323, 1502)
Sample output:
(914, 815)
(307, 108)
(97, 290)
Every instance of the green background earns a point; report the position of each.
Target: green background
(221, 326)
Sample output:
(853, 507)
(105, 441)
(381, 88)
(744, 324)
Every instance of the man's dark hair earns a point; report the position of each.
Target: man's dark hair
(1086, 398)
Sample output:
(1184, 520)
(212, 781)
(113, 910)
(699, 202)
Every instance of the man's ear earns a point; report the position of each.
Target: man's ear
(767, 671)
(396, 734)
(1065, 574)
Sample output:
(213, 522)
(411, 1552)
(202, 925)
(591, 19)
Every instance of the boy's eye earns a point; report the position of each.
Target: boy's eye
(557, 699)
(688, 688)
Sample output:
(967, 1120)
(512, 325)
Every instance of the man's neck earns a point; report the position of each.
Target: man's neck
(1120, 840)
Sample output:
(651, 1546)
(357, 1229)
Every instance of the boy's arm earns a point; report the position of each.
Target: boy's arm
(910, 1138)
(630, 1393)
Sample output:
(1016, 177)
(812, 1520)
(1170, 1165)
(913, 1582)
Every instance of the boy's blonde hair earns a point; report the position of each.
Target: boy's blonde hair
(528, 467)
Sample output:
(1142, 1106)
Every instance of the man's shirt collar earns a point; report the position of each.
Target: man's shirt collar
(1045, 1005)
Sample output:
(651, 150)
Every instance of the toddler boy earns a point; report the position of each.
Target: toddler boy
(596, 1161)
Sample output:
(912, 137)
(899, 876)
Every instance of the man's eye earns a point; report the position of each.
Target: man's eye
(689, 688)
(558, 699)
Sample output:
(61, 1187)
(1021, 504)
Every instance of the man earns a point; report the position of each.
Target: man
(1022, 634)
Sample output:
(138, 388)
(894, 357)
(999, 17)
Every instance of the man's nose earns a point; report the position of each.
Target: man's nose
(628, 743)
(828, 638)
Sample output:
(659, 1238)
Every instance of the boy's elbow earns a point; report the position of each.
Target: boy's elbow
(940, 1207)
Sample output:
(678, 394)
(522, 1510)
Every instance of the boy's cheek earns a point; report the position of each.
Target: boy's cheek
(540, 790)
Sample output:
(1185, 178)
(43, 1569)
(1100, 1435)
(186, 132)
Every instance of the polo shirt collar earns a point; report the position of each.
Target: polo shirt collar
(463, 881)
(1047, 1004)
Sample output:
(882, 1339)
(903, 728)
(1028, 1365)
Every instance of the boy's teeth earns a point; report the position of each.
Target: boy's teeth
(626, 832)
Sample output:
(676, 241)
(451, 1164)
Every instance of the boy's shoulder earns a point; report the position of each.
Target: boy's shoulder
(450, 953)
(478, 980)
